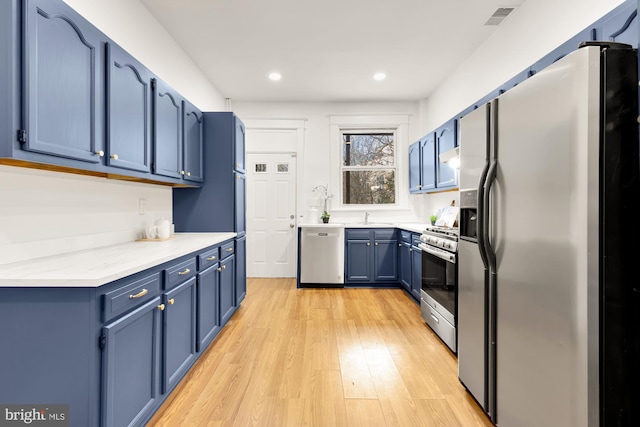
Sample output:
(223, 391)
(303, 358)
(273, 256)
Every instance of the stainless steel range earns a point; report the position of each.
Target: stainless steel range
(440, 282)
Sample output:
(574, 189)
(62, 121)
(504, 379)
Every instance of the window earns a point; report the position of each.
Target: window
(368, 167)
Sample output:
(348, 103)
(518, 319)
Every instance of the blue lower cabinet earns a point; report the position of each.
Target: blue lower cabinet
(130, 367)
(241, 269)
(405, 265)
(371, 256)
(358, 261)
(385, 256)
(227, 271)
(179, 337)
(416, 272)
(208, 324)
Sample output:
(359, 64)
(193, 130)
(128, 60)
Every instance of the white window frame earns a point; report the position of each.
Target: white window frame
(393, 167)
(396, 123)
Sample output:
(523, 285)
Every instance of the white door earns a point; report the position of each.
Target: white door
(271, 215)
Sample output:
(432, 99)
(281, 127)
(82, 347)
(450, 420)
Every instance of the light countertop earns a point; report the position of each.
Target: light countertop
(97, 267)
(414, 227)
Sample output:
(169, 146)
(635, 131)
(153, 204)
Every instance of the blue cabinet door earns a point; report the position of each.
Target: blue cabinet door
(192, 146)
(385, 260)
(241, 269)
(405, 266)
(130, 366)
(416, 272)
(179, 344)
(167, 131)
(446, 140)
(358, 260)
(227, 288)
(239, 146)
(428, 162)
(128, 111)
(63, 90)
(208, 323)
(414, 167)
(240, 203)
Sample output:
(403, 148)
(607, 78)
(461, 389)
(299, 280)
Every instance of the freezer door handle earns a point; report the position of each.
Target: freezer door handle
(480, 231)
(491, 177)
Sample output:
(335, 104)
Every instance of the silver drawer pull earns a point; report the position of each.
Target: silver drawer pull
(435, 318)
(229, 249)
(139, 294)
(211, 258)
(182, 273)
(219, 268)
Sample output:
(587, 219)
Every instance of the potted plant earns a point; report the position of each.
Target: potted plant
(325, 217)
(433, 218)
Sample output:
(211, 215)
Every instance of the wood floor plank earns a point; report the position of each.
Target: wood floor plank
(323, 357)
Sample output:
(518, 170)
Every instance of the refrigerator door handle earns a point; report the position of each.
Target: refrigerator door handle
(483, 176)
(486, 192)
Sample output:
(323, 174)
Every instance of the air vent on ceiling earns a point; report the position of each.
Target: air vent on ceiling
(499, 15)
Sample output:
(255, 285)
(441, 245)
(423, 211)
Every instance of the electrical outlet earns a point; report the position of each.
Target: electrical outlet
(142, 207)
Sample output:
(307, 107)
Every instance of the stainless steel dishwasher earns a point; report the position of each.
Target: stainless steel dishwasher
(322, 256)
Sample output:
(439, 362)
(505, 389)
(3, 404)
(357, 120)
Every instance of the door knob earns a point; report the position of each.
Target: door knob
(291, 217)
(291, 225)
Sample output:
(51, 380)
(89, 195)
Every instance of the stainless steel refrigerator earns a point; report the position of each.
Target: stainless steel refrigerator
(548, 253)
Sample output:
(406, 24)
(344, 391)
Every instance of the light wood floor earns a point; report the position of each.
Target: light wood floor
(323, 357)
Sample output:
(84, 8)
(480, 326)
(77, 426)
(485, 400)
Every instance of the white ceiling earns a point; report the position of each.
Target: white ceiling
(327, 50)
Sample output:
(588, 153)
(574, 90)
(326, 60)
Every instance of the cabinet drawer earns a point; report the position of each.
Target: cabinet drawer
(208, 258)
(356, 234)
(178, 273)
(227, 249)
(385, 234)
(405, 236)
(129, 296)
(415, 239)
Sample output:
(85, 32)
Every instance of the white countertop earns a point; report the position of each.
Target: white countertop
(415, 227)
(96, 267)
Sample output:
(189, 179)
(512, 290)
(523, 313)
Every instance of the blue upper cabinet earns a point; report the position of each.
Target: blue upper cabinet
(239, 147)
(219, 205)
(428, 162)
(414, 168)
(446, 139)
(167, 132)
(128, 111)
(621, 26)
(192, 143)
(64, 94)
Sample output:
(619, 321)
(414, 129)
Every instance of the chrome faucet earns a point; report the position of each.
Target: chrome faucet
(366, 217)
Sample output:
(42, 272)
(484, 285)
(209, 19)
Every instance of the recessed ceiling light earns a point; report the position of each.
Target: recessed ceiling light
(379, 76)
(275, 76)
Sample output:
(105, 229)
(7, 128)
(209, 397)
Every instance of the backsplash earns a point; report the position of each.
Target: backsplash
(46, 213)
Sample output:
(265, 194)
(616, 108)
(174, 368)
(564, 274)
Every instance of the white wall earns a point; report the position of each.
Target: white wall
(46, 213)
(315, 160)
(528, 34)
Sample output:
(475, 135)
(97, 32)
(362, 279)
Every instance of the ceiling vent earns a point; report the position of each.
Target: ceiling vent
(499, 15)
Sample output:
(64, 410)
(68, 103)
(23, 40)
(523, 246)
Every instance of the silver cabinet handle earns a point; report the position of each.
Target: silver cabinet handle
(139, 294)
(224, 267)
(188, 173)
(368, 244)
(114, 156)
(229, 249)
(181, 172)
(376, 243)
(182, 273)
(219, 268)
(435, 318)
(100, 153)
(211, 258)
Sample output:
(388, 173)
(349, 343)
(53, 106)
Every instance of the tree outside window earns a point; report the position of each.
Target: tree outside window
(368, 168)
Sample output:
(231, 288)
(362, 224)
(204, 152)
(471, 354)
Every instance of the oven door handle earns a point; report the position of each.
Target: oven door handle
(437, 253)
